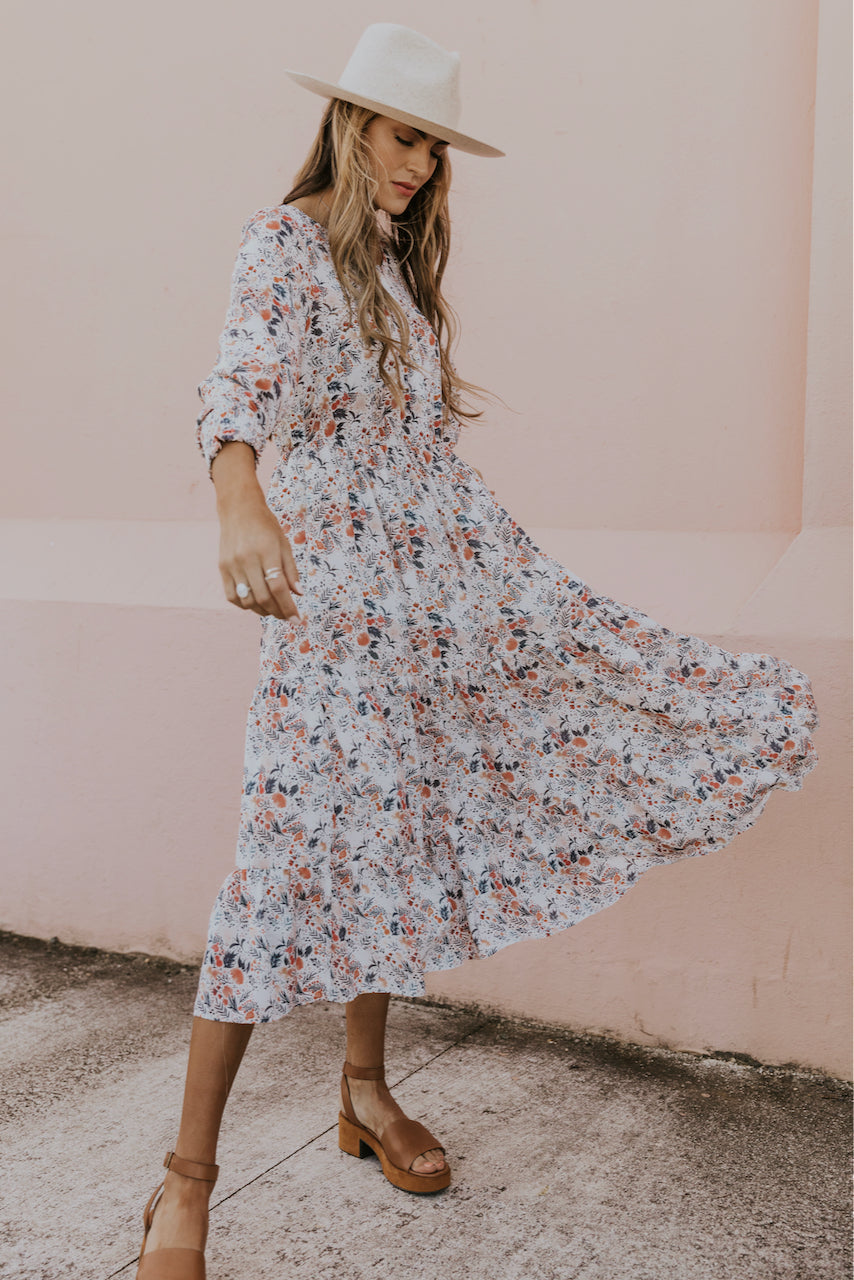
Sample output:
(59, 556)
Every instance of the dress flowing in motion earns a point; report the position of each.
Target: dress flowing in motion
(458, 744)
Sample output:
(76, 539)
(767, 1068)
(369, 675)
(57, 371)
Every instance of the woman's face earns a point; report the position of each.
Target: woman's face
(403, 159)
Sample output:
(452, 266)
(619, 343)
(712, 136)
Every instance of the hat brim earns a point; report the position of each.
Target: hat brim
(460, 140)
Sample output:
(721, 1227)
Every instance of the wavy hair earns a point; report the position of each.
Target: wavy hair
(419, 238)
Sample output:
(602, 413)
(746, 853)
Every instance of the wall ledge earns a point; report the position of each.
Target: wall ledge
(723, 583)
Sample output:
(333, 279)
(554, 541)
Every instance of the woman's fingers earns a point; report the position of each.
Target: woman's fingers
(265, 563)
(262, 600)
(246, 601)
(279, 585)
(290, 565)
(231, 579)
(270, 596)
(266, 596)
(282, 577)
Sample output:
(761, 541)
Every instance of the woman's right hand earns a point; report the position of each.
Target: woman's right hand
(252, 542)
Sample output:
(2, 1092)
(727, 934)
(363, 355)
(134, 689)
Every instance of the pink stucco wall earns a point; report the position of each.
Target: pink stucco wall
(654, 280)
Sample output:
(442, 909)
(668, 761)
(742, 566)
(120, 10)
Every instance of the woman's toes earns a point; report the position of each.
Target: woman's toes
(429, 1162)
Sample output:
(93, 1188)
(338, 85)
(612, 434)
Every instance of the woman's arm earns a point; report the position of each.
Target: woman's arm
(251, 538)
(253, 384)
(251, 390)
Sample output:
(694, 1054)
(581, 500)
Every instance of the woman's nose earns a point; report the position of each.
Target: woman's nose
(420, 165)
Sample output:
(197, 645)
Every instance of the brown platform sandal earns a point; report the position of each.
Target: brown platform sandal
(174, 1264)
(403, 1140)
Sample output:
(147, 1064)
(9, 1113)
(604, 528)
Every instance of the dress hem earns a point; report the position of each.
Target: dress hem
(416, 987)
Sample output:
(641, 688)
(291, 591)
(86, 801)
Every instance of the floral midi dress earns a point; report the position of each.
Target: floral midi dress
(459, 743)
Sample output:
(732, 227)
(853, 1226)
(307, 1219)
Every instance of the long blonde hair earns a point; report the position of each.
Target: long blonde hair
(419, 238)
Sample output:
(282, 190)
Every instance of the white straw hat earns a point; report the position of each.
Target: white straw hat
(406, 76)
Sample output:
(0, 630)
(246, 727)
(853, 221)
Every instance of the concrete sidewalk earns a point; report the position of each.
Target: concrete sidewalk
(572, 1157)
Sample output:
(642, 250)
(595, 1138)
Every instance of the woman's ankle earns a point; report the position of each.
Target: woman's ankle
(181, 1187)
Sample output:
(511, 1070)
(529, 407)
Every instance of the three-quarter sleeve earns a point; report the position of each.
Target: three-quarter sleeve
(253, 385)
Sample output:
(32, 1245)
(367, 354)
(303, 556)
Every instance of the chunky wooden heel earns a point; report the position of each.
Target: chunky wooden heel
(403, 1140)
(349, 1138)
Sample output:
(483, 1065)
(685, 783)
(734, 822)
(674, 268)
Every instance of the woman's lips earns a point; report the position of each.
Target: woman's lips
(401, 186)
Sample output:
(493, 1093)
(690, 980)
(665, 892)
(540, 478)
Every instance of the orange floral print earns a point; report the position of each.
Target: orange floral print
(459, 743)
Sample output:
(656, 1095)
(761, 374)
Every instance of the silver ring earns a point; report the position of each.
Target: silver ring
(243, 590)
(272, 573)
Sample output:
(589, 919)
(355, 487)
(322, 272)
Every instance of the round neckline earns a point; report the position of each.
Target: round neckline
(321, 227)
(296, 209)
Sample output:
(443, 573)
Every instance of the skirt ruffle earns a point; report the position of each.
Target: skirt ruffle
(594, 745)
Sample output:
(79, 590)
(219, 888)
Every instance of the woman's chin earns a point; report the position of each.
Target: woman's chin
(395, 202)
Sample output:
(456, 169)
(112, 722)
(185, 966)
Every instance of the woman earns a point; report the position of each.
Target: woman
(453, 743)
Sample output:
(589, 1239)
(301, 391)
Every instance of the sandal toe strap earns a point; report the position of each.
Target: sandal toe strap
(404, 1139)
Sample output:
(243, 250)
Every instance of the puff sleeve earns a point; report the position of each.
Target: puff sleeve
(252, 388)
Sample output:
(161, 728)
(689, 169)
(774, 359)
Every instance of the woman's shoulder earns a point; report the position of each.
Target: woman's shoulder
(281, 229)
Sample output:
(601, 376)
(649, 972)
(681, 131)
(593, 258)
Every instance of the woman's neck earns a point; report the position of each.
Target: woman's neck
(317, 206)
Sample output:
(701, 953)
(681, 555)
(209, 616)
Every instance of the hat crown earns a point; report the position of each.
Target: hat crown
(392, 63)
(400, 73)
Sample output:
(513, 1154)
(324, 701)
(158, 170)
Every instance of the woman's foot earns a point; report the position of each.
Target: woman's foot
(180, 1214)
(374, 1107)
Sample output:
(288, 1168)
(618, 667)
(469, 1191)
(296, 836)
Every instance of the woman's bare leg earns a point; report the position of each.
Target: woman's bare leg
(372, 1102)
(216, 1051)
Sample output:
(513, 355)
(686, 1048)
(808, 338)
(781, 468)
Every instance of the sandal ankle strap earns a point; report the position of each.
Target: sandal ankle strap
(364, 1073)
(191, 1168)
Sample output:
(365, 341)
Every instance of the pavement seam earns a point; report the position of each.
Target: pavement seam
(323, 1132)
